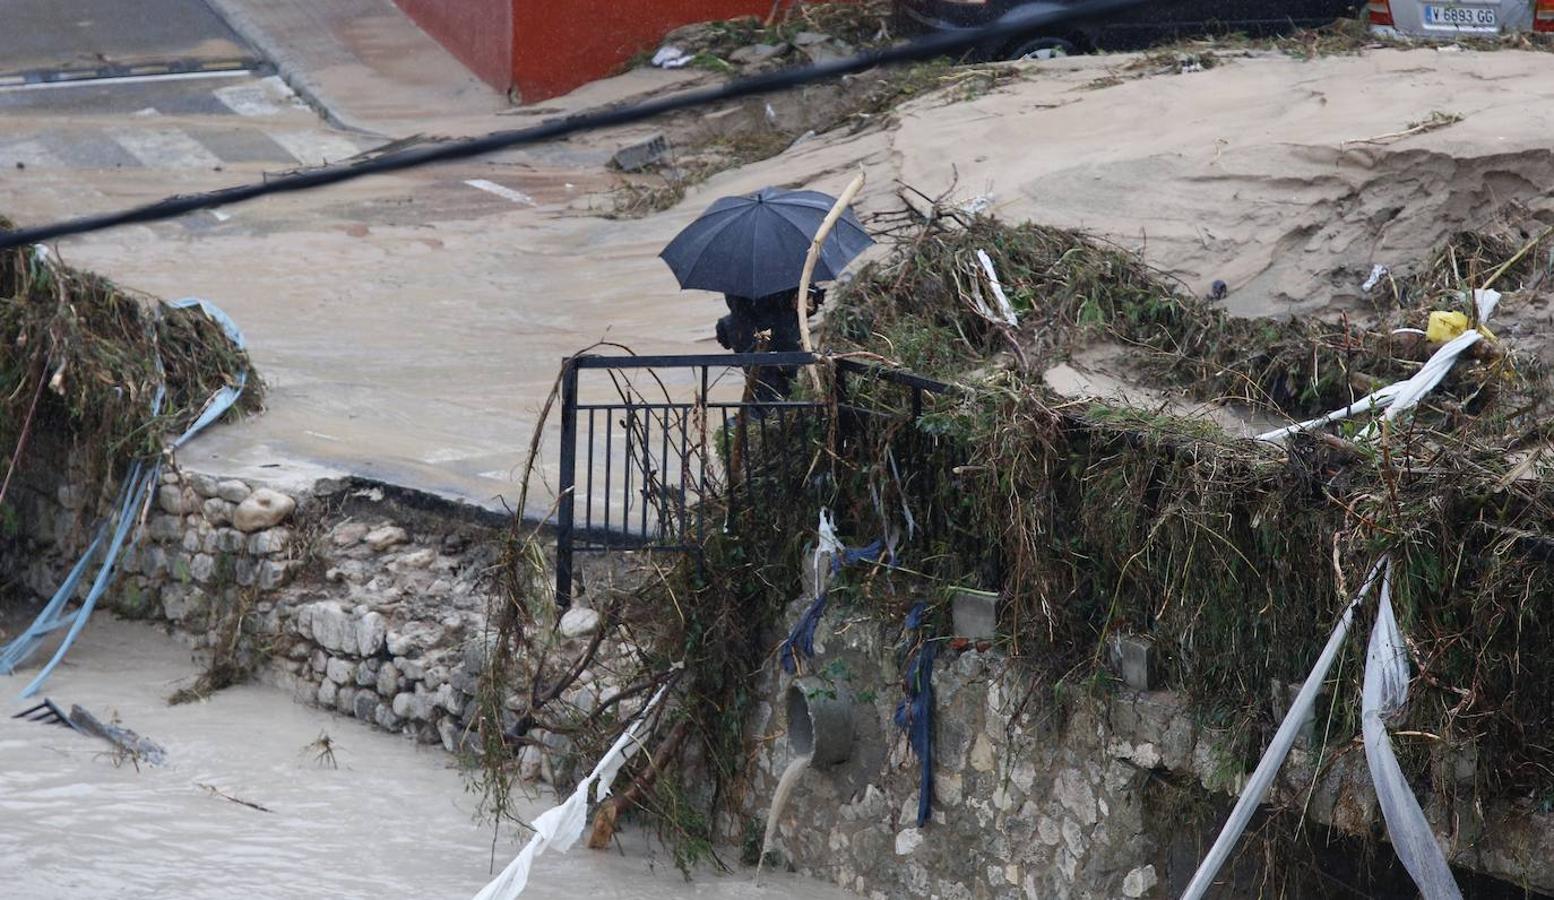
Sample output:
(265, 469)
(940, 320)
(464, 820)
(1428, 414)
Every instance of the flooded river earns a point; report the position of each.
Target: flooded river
(392, 821)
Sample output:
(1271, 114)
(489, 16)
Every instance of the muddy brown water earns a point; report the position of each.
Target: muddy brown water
(393, 820)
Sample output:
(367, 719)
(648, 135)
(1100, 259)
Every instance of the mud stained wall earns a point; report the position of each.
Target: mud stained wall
(1089, 792)
(478, 32)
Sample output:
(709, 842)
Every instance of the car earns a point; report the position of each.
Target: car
(1131, 29)
(1450, 19)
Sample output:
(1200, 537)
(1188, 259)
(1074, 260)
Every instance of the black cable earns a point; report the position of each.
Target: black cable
(1011, 26)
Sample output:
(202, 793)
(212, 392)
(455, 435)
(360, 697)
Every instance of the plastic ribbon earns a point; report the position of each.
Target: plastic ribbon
(560, 827)
(1279, 748)
(138, 485)
(828, 559)
(914, 714)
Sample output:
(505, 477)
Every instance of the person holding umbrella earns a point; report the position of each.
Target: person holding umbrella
(753, 249)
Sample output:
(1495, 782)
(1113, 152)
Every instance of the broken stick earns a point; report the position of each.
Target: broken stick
(801, 304)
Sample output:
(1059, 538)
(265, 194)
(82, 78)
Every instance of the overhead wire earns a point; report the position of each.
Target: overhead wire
(1012, 26)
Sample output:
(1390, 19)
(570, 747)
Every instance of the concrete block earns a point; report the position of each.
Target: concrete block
(1132, 658)
(975, 614)
(642, 154)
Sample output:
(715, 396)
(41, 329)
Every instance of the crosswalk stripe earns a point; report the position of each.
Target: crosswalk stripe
(502, 191)
(164, 148)
(265, 97)
(314, 148)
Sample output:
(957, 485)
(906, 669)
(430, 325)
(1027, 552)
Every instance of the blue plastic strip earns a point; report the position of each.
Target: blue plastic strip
(800, 643)
(914, 714)
(137, 487)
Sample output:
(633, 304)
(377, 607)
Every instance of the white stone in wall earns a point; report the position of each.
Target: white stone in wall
(264, 508)
(1075, 795)
(577, 622)
(268, 543)
(388, 680)
(345, 699)
(384, 715)
(448, 732)
(204, 485)
(908, 840)
(371, 634)
(380, 539)
(232, 491)
(417, 559)
(170, 497)
(217, 511)
(340, 671)
(413, 638)
(410, 705)
(327, 692)
(326, 624)
(202, 567)
(982, 754)
(349, 534)
(1138, 882)
(1073, 838)
(229, 540)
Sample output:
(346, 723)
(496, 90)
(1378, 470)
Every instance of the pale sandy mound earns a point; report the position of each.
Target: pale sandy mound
(1248, 171)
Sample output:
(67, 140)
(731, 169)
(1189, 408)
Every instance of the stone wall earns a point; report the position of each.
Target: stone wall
(351, 599)
(1042, 794)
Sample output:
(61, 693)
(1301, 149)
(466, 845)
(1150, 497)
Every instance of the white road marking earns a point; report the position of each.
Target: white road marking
(122, 79)
(29, 153)
(502, 191)
(220, 216)
(315, 148)
(145, 113)
(265, 97)
(164, 148)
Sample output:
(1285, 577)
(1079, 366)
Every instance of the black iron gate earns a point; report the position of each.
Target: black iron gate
(645, 440)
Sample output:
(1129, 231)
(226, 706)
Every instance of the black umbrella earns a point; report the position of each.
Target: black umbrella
(755, 245)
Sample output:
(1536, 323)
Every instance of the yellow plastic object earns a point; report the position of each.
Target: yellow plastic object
(1446, 325)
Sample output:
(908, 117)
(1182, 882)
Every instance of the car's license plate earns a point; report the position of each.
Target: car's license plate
(1462, 18)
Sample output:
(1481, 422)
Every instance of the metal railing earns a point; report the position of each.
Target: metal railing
(647, 440)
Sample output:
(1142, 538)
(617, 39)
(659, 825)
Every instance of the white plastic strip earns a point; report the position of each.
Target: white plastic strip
(1279, 748)
(559, 827)
(1386, 691)
(1005, 308)
(1404, 395)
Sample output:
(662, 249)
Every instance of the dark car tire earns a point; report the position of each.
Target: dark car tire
(1042, 48)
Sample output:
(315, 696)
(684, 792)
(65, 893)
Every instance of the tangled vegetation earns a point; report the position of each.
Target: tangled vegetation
(87, 358)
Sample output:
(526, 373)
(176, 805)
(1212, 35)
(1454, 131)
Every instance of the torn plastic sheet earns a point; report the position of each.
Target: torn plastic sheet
(560, 827)
(1386, 691)
(1279, 748)
(671, 57)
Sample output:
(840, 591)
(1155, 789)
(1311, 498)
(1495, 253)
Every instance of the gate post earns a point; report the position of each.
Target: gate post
(568, 483)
